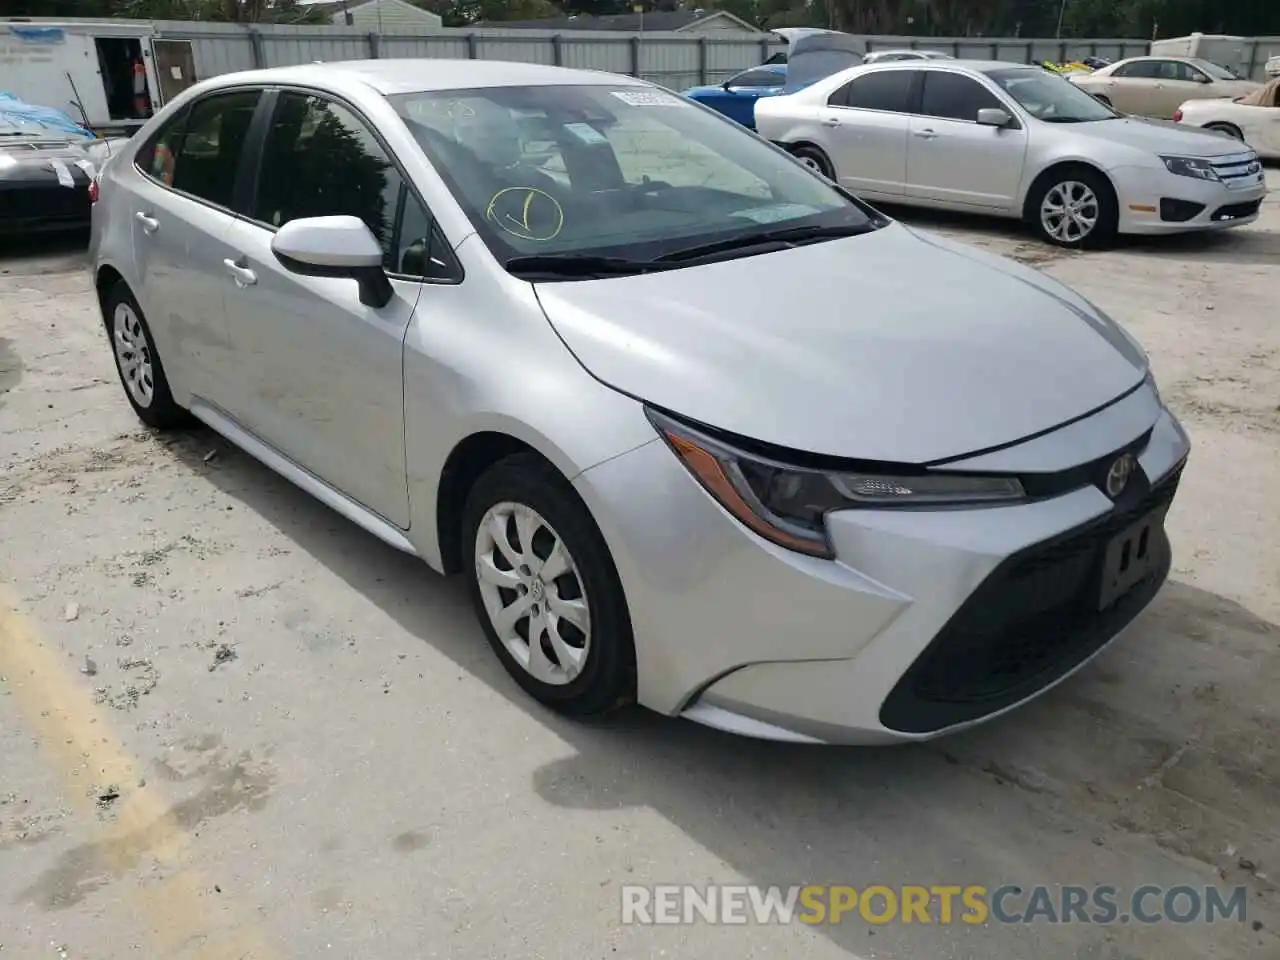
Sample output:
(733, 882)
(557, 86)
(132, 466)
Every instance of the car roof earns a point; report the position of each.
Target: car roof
(947, 63)
(1157, 56)
(421, 75)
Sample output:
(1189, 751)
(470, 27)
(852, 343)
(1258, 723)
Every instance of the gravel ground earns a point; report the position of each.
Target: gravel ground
(233, 725)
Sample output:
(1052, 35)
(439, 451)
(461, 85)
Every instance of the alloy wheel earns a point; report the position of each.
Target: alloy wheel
(1069, 211)
(133, 354)
(532, 592)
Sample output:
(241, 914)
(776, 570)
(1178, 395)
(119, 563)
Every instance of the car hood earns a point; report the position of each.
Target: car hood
(1159, 136)
(38, 158)
(894, 346)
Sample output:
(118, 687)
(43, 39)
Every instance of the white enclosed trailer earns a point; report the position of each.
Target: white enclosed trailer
(109, 74)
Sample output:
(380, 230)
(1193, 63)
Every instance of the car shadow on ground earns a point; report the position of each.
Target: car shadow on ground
(1137, 770)
(43, 253)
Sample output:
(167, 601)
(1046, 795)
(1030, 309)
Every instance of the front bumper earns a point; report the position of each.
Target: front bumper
(1156, 201)
(927, 621)
(39, 205)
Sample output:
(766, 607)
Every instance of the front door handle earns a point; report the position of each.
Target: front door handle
(244, 277)
(831, 122)
(149, 224)
(925, 134)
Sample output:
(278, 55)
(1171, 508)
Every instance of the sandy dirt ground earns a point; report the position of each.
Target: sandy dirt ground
(234, 725)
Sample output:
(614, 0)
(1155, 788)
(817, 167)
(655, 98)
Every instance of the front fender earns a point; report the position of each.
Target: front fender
(481, 357)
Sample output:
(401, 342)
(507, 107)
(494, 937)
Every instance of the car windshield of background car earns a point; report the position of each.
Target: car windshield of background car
(618, 171)
(1051, 98)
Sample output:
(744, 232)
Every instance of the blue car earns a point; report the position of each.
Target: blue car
(736, 97)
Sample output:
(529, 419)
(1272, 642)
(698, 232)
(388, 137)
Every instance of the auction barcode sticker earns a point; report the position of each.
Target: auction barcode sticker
(649, 98)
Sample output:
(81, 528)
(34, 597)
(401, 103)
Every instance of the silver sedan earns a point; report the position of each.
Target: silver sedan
(547, 329)
(1014, 141)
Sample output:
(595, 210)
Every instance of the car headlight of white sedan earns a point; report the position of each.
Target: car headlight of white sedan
(1190, 167)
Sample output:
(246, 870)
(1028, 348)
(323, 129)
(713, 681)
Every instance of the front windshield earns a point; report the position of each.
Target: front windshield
(1217, 71)
(617, 171)
(1050, 97)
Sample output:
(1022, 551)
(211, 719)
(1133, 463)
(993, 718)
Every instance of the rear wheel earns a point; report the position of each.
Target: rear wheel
(137, 361)
(814, 159)
(1230, 129)
(1073, 207)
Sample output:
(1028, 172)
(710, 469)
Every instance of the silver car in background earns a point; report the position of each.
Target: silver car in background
(680, 411)
(1014, 141)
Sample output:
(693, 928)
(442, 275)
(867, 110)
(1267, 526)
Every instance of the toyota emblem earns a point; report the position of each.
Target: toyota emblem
(1119, 474)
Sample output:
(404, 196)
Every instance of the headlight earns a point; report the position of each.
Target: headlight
(786, 504)
(1190, 167)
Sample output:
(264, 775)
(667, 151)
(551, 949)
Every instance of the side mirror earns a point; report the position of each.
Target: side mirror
(335, 247)
(1201, 78)
(994, 117)
(727, 86)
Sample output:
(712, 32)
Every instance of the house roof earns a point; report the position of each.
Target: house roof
(666, 20)
(332, 8)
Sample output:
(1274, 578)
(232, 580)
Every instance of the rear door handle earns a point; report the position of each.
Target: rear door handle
(244, 277)
(925, 134)
(149, 224)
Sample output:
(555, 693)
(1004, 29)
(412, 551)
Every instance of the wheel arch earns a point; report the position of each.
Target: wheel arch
(105, 277)
(1058, 168)
(470, 457)
(1226, 126)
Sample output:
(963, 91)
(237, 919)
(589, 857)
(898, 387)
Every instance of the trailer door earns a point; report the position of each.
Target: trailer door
(175, 67)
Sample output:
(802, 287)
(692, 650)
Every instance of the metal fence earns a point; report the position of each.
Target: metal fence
(674, 60)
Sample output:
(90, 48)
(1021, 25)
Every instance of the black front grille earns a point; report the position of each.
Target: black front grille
(1234, 211)
(1033, 619)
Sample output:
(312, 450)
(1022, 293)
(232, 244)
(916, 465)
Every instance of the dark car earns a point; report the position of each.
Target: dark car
(45, 174)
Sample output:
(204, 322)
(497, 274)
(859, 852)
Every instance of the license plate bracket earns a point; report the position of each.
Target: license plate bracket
(1129, 558)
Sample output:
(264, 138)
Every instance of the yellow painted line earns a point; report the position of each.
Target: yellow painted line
(183, 914)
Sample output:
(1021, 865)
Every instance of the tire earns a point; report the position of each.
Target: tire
(138, 362)
(1095, 204)
(592, 671)
(815, 160)
(1229, 129)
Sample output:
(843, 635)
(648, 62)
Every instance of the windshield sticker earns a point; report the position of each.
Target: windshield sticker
(777, 213)
(586, 133)
(649, 98)
(526, 213)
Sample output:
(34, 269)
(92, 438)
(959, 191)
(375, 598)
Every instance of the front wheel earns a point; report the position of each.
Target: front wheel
(1074, 207)
(545, 589)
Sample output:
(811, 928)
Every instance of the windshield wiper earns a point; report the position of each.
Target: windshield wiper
(578, 265)
(786, 236)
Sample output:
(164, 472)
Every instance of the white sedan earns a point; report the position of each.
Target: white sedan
(1254, 119)
(1015, 141)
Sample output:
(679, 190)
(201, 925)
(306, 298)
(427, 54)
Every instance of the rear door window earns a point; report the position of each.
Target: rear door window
(887, 90)
(1142, 70)
(208, 155)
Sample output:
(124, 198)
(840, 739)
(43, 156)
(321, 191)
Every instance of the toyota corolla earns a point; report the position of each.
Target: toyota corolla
(701, 429)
